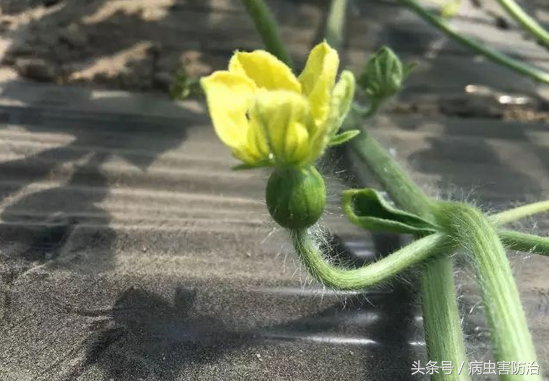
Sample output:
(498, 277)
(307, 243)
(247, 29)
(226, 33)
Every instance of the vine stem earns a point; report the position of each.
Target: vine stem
(523, 211)
(439, 295)
(527, 22)
(336, 20)
(404, 192)
(267, 28)
(491, 54)
(369, 275)
(441, 320)
(506, 318)
(528, 243)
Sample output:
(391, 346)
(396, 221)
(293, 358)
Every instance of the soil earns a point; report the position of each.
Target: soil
(117, 44)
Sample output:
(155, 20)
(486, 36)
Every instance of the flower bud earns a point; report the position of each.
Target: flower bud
(383, 75)
(296, 197)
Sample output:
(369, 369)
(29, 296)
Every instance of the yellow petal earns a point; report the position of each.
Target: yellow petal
(257, 142)
(247, 156)
(229, 97)
(340, 101)
(318, 78)
(265, 70)
(284, 117)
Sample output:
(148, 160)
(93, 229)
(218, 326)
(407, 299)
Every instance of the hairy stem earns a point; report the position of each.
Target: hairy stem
(492, 54)
(435, 273)
(266, 26)
(404, 192)
(520, 212)
(506, 319)
(527, 22)
(528, 243)
(369, 275)
(441, 318)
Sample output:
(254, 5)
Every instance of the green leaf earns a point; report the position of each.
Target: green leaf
(368, 209)
(344, 137)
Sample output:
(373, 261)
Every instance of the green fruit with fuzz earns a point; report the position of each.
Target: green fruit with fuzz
(296, 197)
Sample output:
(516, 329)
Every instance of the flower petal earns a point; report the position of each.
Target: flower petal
(229, 97)
(284, 117)
(340, 102)
(318, 78)
(265, 70)
(257, 142)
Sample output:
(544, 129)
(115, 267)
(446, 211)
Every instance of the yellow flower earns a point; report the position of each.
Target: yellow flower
(267, 116)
